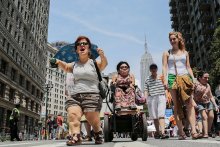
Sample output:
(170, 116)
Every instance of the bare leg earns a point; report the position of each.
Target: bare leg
(204, 122)
(162, 124)
(88, 129)
(156, 124)
(210, 120)
(200, 126)
(178, 121)
(191, 115)
(74, 117)
(94, 120)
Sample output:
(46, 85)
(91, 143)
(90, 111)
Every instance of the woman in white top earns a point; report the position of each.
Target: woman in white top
(180, 56)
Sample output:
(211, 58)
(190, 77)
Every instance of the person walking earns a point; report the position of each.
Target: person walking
(13, 123)
(177, 67)
(85, 98)
(124, 82)
(205, 102)
(50, 127)
(155, 94)
(59, 120)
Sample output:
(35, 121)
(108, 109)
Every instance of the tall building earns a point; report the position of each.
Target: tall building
(146, 61)
(56, 96)
(23, 40)
(196, 19)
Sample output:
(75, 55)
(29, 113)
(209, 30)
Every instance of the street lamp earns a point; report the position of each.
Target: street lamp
(47, 87)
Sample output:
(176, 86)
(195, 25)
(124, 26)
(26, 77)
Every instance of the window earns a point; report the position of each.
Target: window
(32, 105)
(11, 94)
(3, 67)
(27, 85)
(21, 80)
(13, 74)
(33, 90)
(0, 15)
(2, 89)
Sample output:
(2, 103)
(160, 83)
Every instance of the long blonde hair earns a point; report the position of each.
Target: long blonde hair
(179, 36)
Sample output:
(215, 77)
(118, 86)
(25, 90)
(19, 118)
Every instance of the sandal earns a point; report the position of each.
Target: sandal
(182, 137)
(205, 136)
(98, 137)
(196, 136)
(74, 140)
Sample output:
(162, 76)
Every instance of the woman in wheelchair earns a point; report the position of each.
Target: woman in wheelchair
(124, 93)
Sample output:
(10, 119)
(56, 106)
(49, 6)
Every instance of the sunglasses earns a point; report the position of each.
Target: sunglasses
(82, 43)
(121, 67)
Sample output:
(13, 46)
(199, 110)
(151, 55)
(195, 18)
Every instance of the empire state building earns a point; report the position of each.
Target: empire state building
(146, 61)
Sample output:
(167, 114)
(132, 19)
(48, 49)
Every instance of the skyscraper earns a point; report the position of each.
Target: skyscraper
(146, 61)
(23, 40)
(196, 20)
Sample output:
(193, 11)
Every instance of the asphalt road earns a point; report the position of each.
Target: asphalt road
(121, 142)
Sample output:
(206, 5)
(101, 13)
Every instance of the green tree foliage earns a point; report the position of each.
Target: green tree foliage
(215, 58)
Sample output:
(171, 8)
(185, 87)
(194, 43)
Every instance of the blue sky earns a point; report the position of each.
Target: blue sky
(117, 26)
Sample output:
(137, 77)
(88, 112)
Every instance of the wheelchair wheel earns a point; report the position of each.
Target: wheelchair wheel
(108, 135)
(144, 127)
(134, 136)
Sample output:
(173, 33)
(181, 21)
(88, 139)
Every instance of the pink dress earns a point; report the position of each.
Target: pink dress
(124, 94)
(202, 93)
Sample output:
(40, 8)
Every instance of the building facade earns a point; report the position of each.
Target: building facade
(146, 61)
(196, 19)
(23, 40)
(56, 95)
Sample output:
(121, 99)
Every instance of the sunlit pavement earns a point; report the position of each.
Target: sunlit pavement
(121, 142)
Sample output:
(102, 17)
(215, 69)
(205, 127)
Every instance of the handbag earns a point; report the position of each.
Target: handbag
(103, 86)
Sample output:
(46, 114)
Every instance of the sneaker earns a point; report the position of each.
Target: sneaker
(157, 135)
(186, 132)
(164, 136)
(211, 134)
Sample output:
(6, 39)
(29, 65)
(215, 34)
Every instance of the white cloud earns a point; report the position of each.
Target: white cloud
(90, 26)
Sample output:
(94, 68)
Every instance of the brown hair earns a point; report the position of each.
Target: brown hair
(80, 38)
(179, 36)
(87, 39)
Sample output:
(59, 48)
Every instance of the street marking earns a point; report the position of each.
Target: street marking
(132, 144)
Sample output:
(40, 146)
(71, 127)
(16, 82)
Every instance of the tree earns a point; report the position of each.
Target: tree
(215, 58)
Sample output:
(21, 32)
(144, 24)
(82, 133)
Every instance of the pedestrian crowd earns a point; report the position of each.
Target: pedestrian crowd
(195, 110)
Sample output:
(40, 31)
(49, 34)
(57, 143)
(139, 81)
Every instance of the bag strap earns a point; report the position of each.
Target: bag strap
(97, 70)
(174, 62)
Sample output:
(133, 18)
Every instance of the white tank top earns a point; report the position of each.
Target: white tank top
(180, 64)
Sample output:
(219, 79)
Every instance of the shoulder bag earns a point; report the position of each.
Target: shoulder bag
(103, 86)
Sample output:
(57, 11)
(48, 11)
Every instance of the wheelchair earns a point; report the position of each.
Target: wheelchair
(133, 122)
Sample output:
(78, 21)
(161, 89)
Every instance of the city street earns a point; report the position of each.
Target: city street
(122, 142)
